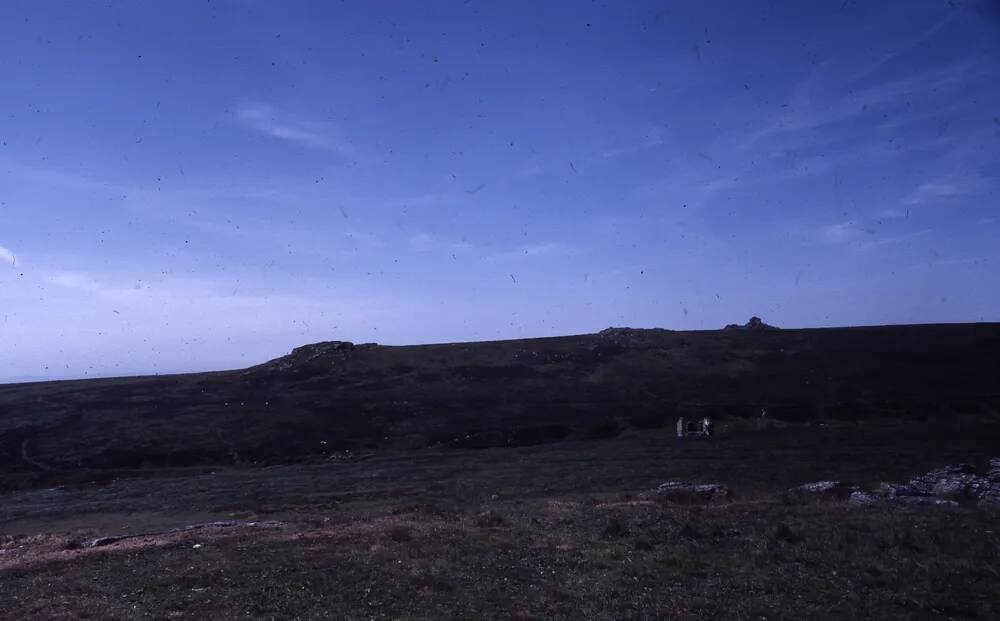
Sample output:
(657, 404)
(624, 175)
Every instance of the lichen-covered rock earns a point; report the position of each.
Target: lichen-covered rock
(692, 493)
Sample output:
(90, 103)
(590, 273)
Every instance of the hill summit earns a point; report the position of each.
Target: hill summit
(754, 323)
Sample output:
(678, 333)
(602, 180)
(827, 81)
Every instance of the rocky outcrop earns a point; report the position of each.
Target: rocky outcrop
(324, 355)
(835, 490)
(861, 497)
(991, 496)
(932, 501)
(755, 323)
(628, 337)
(683, 492)
(326, 349)
(949, 486)
(100, 542)
(957, 481)
(898, 490)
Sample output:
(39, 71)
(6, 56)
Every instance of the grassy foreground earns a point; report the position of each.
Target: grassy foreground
(553, 531)
(582, 557)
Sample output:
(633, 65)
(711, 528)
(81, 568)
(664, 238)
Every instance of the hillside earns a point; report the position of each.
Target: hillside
(326, 398)
(517, 479)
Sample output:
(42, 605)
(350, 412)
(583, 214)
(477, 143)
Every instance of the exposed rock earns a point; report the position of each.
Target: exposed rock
(313, 355)
(106, 541)
(692, 493)
(819, 487)
(994, 474)
(869, 498)
(990, 496)
(860, 497)
(825, 489)
(991, 499)
(755, 323)
(956, 481)
(942, 487)
(893, 490)
(307, 353)
(980, 487)
(923, 500)
(627, 337)
(613, 332)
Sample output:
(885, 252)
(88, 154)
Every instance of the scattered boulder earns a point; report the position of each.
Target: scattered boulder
(869, 498)
(106, 541)
(894, 490)
(683, 492)
(825, 489)
(923, 500)
(861, 497)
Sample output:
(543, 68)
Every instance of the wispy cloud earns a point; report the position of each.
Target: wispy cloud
(195, 301)
(654, 137)
(842, 233)
(45, 176)
(422, 242)
(862, 235)
(75, 281)
(117, 321)
(821, 99)
(430, 199)
(906, 48)
(945, 188)
(7, 256)
(363, 237)
(689, 187)
(270, 121)
(896, 239)
(545, 249)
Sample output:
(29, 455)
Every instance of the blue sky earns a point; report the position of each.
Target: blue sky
(193, 186)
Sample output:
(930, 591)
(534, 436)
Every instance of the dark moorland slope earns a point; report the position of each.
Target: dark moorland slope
(331, 397)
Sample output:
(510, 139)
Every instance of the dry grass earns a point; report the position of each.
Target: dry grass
(559, 531)
(591, 559)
